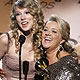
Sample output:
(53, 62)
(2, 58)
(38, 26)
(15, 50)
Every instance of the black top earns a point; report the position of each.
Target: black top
(66, 68)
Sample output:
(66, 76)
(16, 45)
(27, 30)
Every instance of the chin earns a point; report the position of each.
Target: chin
(26, 30)
(45, 46)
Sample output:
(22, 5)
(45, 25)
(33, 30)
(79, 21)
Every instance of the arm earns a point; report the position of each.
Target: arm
(3, 45)
(77, 47)
(3, 50)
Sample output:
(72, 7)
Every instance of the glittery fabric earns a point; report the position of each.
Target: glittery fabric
(66, 68)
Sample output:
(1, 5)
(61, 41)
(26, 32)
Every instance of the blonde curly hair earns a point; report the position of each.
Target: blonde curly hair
(36, 12)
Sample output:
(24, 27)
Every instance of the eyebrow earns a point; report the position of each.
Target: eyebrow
(24, 11)
(52, 28)
(45, 27)
(17, 11)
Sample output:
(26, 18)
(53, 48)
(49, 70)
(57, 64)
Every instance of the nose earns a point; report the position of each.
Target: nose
(47, 33)
(23, 17)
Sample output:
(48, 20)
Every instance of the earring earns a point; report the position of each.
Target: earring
(60, 49)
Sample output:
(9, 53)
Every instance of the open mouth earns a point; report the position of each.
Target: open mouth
(24, 24)
(47, 39)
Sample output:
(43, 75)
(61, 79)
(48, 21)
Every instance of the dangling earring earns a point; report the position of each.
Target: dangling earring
(60, 49)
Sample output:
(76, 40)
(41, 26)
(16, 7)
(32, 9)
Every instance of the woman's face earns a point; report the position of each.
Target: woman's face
(51, 36)
(24, 18)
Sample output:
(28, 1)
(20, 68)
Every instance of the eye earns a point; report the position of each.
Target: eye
(27, 12)
(44, 29)
(54, 31)
(17, 14)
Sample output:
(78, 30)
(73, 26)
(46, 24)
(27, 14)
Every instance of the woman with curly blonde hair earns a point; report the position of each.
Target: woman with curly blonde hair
(26, 19)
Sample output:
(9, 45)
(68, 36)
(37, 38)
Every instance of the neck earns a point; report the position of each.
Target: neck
(53, 52)
(27, 34)
(51, 55)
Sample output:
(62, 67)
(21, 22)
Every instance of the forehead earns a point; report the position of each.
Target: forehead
(52, 24)
(21, 9)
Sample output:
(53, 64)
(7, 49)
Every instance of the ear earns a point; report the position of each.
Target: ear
(62, 41)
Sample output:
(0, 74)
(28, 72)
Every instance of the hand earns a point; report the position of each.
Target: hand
(41, 64)
(41, 67)
(78, 60)
(2, 74)
(77, 48)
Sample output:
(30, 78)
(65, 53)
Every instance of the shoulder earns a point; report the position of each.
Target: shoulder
(4, 38)
(77, 47)
(66, 67)
(69, 62)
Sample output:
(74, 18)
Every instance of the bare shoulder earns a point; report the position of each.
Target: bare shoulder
(4, 43)
(77, 47)
(4, 38)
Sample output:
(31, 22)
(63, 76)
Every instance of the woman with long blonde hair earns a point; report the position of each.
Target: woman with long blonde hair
(26, 19)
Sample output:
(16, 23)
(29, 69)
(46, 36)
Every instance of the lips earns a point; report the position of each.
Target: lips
(24, 24)
(46, 42)
(47, 39)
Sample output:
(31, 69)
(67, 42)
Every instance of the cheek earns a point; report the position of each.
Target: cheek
(55, 36)
(18, 19)
(30, 17)
(56, 39)
(43, 36)
(31, 20)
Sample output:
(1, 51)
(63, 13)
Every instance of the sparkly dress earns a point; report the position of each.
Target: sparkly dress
(66, 68)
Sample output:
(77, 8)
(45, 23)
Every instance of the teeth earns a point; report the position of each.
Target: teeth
(47, 39)
(24, 22)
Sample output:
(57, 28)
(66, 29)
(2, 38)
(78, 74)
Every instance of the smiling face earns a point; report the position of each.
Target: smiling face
(24, 18)
(51, 36)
